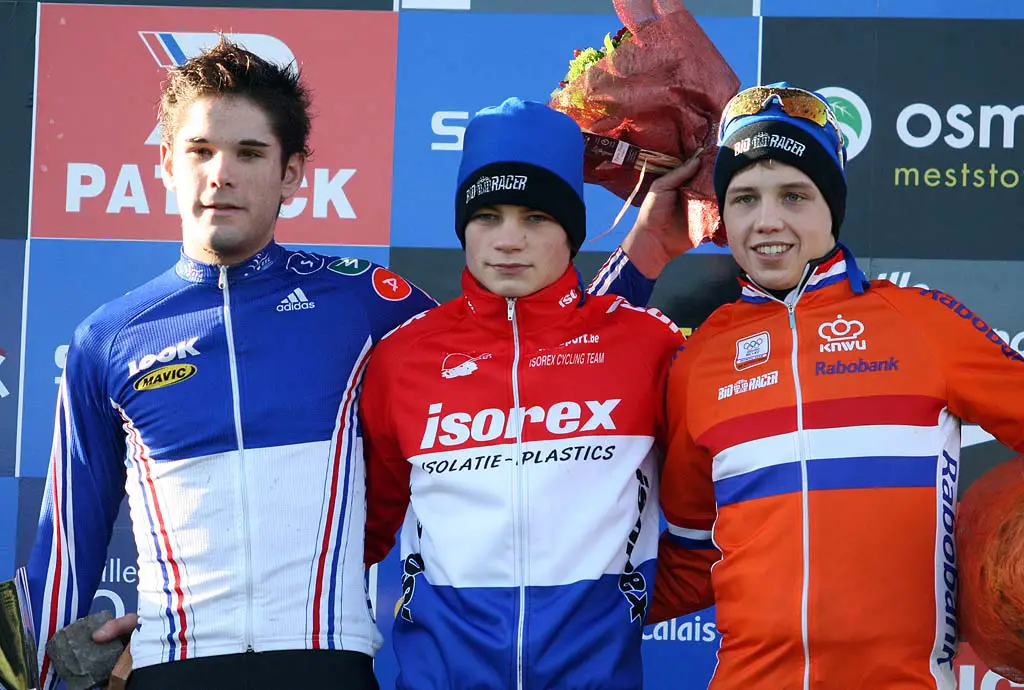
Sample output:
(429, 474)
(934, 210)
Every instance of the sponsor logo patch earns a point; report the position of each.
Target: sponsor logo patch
(860, 366)
(186, 348)
(459, 364)
(951, 636)
(296, 301)
(842, 335)
(496, 183)
(752, 384)
(389, 285)
(305, 264)
(753, 350)
(775, 141)
(349, 266)
(165, 376)
(566, 359)
(491, 424)
(976, 321)
(585, 339)
(448, 464)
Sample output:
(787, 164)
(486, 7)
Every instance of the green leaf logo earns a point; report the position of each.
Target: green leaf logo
(846, 113)
(853, 115)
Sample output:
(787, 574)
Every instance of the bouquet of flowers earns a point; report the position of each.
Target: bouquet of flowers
(990, 552)
(650, 99)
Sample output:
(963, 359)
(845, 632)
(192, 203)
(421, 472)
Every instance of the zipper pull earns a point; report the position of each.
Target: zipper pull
(511, 306)
(792, 316)
(222, 278)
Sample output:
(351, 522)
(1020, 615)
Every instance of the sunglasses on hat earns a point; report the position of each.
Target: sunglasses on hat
(793, 101)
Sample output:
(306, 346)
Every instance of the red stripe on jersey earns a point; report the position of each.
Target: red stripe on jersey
(335, 471)
(146, 463)
(899, 410)
(55, 595)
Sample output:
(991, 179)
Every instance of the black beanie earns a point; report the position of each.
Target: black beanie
(523, 153)
(777, 139)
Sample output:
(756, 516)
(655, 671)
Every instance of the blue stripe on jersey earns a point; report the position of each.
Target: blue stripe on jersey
(349, 432)
(870, 473)
(578, 635)
(832, 473)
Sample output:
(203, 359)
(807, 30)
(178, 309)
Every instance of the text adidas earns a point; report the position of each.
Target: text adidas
(295, 301)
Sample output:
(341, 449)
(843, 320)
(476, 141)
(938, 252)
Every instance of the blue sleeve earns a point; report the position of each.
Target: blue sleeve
(620, 277)
(393, 308)
(84, 487)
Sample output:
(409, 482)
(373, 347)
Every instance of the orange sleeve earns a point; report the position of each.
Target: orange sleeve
(685, 551)
(387, 471)
(984, 375)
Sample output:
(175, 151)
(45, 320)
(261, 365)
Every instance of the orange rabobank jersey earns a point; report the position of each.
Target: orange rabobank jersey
(816, 445)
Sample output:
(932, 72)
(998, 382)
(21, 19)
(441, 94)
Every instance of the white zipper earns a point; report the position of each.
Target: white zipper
(801, 443)
(236, 405)
(801, 451)
(520, 507)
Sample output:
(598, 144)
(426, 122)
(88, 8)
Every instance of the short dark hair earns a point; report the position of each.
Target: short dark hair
(227, 69)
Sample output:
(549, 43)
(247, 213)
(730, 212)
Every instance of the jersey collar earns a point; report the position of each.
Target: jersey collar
(542, 309)
(835, 267)
(198, 272)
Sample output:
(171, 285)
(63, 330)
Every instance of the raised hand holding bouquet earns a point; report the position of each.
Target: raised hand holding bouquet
(651, 99)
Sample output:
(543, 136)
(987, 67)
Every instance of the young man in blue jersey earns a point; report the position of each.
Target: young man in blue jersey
(227, 419)
(231, 422)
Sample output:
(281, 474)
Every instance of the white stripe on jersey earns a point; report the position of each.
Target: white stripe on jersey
(884, 440)
(282, 525)
(59, 467)
(943, 675)
(686, 533)
(600, 507)
(609, 272)
(345, 455)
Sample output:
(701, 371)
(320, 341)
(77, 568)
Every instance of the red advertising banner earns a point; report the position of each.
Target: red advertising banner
(96, 146)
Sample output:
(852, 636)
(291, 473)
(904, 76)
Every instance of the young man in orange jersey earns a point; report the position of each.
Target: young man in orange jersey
(512, 431)
(814, 432)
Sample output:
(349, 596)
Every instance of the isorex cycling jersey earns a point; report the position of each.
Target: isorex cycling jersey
(223, 401)
(815, 442)
(516, 438)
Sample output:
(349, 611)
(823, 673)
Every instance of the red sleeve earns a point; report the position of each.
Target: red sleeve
(670, 342)
(685, 551)
(984, 375)
(387, 471)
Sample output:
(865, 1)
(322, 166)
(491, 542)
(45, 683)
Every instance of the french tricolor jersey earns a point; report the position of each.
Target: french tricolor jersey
(815, 443)
(224, 402)
(514, 440)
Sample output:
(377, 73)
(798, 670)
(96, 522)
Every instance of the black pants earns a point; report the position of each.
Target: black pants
(303, 668)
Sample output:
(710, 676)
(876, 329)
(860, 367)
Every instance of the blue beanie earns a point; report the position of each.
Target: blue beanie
(771, 133)
(523, 153)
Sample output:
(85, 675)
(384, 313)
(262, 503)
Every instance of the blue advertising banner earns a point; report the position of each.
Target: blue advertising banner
(466, 72)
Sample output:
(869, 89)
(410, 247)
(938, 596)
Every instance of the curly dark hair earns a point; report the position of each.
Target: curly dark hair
(228, 69)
